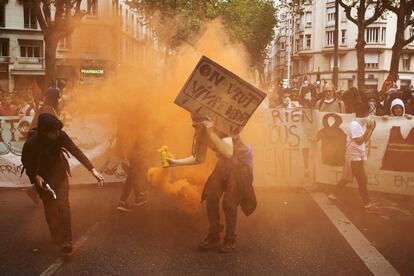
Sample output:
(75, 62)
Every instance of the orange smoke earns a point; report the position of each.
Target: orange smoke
(139, 100)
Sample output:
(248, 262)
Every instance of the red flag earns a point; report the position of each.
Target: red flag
(388, 83)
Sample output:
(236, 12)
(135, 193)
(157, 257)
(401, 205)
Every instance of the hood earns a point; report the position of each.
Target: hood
(48, 122)
(397, 102)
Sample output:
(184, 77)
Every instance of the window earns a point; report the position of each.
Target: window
(297, 45)
(93, 7)
(406, 62)
(66, 43)
(30, 21)
(132, 22)
(4, 47)
(30, 48)
(371, 60)
(344, 19)
(308, 16)
(329, 38)
(302, 21)
(330, 12)
(343, 37)
(300, 46)
(126, 20)
(282, 45)
(308, 41)
(138, 26)
(2, 14)
(375, 35)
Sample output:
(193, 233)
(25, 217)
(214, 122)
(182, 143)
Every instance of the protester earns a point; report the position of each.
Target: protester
(52, 102)
(8, 108)
(355, 155)
(27, 105)
(350, 99)
(375, 107)
(47, 168)
(232, 176)
(136, 174)
(408, 99)
(397, 109)
(307, 97)
(329, 103)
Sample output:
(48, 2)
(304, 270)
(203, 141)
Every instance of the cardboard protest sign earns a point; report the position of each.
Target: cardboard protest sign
(216, 92)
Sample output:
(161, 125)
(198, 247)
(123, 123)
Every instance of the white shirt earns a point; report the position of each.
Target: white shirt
(354, 151)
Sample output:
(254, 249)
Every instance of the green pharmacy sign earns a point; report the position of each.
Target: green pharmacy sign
(86, 71)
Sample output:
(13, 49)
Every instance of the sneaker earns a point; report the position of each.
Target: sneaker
(66, 248)
(227, 247)
(332, 197)
(369, 206)
(124, 207)
(142, 200)
(210, 242)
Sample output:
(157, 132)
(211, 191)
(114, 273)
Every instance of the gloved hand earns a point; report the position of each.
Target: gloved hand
(99, 177)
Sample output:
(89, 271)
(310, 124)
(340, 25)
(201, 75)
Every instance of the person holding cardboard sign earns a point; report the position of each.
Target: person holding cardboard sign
(231, 179)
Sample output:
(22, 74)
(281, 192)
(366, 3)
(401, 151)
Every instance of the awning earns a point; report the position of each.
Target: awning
(28, 72)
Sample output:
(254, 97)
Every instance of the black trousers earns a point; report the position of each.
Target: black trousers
(135, 176)
(57, 211)
(358, 171)
(218, 187)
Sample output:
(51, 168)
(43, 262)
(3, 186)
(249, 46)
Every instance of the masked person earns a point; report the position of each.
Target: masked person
(52, 102)
(231, 179)
(355, 155)
(48, 169)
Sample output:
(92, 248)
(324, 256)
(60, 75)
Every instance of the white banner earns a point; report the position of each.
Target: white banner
(390, 152)
(89, 134)
(297, 147)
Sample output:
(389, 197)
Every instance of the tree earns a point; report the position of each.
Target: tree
(355, 11)
(57, 19)
(403, 9)
(176, 21)
(250, 22)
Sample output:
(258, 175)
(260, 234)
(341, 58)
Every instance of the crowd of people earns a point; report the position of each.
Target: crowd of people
(391, 102)
(17, 104)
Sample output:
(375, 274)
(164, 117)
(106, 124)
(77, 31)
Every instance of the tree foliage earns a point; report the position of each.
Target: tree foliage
(250, 22)
(356, 12)
(57, 19)
(403, 10)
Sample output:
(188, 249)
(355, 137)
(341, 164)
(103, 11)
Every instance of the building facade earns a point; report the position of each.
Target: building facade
(305, 40)
(110, 35)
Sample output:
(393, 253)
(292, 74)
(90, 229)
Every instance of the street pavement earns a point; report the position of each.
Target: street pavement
(289, 234)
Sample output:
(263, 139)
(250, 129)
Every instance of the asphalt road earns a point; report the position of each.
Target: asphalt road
(289, 234)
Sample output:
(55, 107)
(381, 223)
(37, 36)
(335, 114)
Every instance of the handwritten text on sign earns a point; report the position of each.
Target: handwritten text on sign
(216, 92)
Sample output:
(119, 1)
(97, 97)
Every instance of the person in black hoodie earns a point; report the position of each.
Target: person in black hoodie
(48, 170)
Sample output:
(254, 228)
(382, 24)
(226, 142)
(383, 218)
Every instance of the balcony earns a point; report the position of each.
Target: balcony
(29, 63)
(4, 59)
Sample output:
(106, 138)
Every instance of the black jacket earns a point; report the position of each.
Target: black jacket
(45, 157)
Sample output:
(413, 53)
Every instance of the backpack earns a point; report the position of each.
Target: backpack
(38, 151)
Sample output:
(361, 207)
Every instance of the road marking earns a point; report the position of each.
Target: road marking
(59, 261)
(372, 258)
